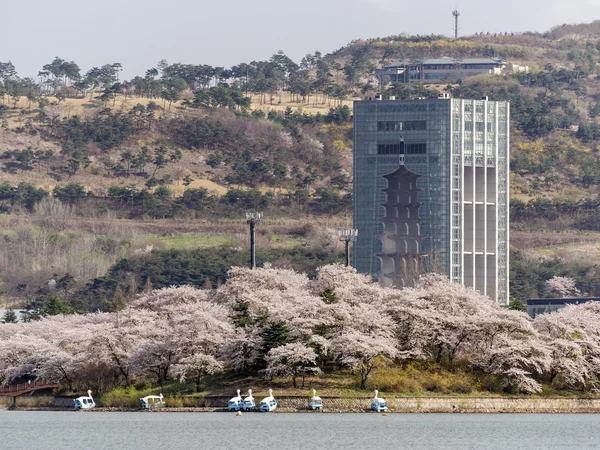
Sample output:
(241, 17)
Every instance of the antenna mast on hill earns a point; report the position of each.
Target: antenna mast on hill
(455, 13)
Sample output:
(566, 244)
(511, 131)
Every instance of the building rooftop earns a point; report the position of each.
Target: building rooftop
(561, 301)
(537, 306)
(448, 60)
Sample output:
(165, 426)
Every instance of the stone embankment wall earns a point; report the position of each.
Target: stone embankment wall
(450, 404)
(63, 402)
(493, 405)
(406, 404)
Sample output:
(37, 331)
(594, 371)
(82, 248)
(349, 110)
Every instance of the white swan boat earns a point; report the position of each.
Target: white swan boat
(378, 404)
(268, 404)
(152, 401)
(315, 403)
(84, 402)
(249, 403)
(235, 403)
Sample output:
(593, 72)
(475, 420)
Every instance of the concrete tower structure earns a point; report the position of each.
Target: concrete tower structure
(431, 178)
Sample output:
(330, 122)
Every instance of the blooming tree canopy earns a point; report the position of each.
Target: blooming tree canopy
(572, 337)
(282, 324)
(291, 360)
(563, 286)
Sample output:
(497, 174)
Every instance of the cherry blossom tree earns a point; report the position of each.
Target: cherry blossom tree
(273, 306)
(571, 334)
(359, 351)
(154, 357)
(563, 286)
(163, 300)
(291, 361)
(58, 366)
(443, 321)
(188, 332)
(347, 285)
(113, 348)
(195, 367)
(19, 356)
(242, 352)
(258, 296)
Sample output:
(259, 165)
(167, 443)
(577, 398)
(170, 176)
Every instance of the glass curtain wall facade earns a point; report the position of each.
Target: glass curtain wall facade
(459, 151)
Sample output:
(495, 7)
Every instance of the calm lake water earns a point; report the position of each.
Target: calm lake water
(143, 430)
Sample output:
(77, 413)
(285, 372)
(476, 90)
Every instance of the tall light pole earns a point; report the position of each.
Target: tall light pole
(455, 13)
(348, 236)
(253, 218)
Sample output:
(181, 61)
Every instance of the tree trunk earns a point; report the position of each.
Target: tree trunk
(364, 373)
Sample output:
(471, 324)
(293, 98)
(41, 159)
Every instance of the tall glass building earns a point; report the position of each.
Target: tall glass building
(431, 179)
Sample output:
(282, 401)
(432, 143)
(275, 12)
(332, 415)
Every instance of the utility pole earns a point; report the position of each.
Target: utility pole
(253, 218)
(455, 13)
(348, 236)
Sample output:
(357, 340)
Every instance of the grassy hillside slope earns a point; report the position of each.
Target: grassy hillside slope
(288, 151)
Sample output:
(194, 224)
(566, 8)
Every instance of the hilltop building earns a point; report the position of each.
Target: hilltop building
(444, 70)
(431, 178)
(537, 306)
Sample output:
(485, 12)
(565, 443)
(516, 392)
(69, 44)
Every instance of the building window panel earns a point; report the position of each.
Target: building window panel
(388, 149)
(415, 124)
(389, 126)
(400, 149)
(409, 125)
(416, 149)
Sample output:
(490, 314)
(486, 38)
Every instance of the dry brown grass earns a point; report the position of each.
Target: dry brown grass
(88, 106)
(315, 105)
(36, 248)
(575, 252)
(57, 239)
(94, 177)
(548, 239)
(568, 246)
(82, 107)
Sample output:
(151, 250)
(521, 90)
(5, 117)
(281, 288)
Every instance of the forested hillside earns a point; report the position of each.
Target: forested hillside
(187, 141)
